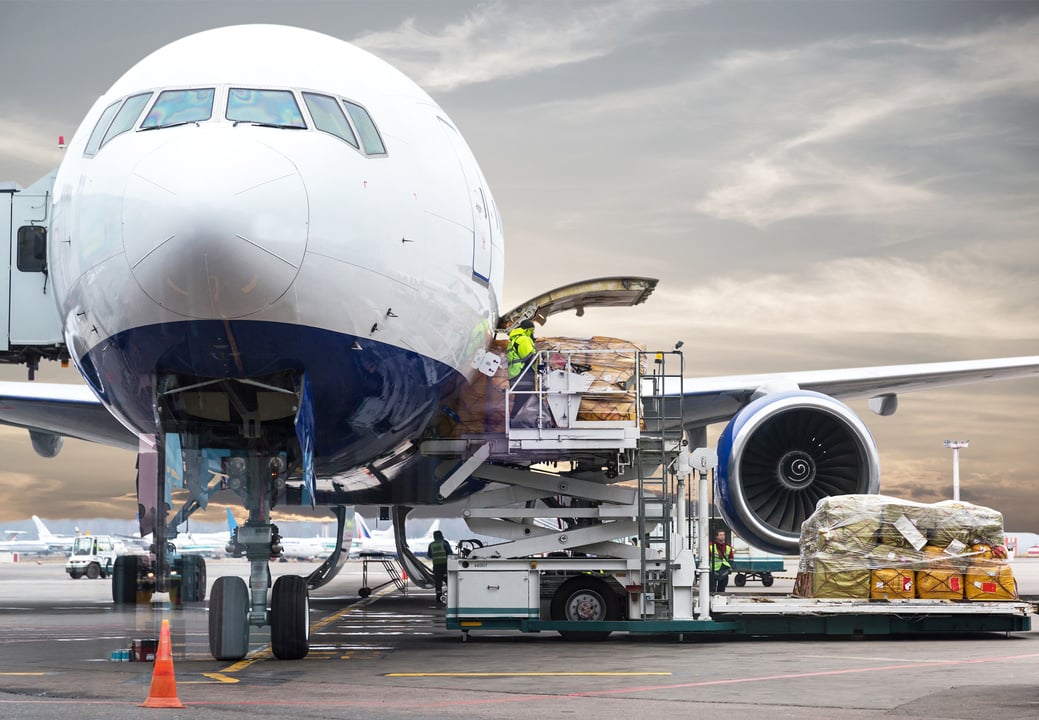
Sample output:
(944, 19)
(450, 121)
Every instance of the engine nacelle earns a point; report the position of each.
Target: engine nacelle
(780, 455)
(46, 444)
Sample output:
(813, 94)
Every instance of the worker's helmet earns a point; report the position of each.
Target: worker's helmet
(527, 324)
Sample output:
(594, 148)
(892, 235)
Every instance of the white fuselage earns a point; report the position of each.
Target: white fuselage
(216, 248)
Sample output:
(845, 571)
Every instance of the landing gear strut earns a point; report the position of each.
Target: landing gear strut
(233, 607)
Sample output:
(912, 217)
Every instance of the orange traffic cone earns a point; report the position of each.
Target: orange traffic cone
(163, 693)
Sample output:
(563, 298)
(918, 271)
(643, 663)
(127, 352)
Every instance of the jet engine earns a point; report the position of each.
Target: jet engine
(780, 455)
(46, 444)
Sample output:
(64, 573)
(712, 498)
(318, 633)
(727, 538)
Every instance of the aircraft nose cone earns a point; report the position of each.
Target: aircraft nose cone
(215, 227)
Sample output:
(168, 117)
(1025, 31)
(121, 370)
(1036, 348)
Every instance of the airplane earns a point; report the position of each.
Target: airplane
(304, 548)
(54, 542)
(383, 542)
(216, 544)
(289, 258)
(15, 543)
(209, 544)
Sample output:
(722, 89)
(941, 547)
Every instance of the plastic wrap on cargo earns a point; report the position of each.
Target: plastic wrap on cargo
(879, 547)
(478, 406)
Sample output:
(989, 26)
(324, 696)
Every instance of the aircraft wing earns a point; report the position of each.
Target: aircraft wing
(67, 410)
(717, 399)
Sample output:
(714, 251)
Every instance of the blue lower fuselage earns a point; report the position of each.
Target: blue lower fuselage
(368, 397)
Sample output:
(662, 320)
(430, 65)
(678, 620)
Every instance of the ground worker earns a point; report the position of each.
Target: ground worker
(438, 551)
(721, 562)
(520, 356)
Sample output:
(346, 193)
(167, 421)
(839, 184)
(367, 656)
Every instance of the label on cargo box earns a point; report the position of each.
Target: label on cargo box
(989, 587)
(907, 584)
(908, 530)
(954, 583)
(955, 547)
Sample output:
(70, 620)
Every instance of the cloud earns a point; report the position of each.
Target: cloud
(498, 41)
(28, 142)
(962, 294)
(845, 137)
(764, 190)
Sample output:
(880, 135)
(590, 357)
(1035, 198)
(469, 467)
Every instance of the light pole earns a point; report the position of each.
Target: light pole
(955, 446)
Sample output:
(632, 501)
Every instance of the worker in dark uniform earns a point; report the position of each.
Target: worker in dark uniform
(438, 551)
(721, 562)
(521, 355)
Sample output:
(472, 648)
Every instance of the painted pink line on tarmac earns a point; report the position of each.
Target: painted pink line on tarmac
(795, 676)
(511, 698)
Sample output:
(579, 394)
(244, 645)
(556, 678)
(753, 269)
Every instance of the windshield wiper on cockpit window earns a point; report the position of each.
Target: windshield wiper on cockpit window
(279, 126)
(169, 125)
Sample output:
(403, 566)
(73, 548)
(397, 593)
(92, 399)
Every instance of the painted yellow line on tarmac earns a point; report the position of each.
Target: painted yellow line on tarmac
(219, 677)
(524, 674)
(23, 674)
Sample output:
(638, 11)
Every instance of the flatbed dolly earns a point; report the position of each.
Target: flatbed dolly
(755, 569)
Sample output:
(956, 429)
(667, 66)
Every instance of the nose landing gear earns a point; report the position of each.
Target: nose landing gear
(235, 607)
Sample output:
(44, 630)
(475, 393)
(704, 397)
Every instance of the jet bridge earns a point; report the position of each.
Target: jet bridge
(30, 327)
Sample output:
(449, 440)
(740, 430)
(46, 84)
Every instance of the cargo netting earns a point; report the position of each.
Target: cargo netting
(878, 547)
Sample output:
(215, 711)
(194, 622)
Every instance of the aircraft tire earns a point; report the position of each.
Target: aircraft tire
(585, 598)
(290, 618)
(229, 619)
(124, 580)
(192, 578)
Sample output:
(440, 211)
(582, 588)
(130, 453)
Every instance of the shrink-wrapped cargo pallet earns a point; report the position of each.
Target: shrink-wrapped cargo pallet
(610, 364)
(946, 551)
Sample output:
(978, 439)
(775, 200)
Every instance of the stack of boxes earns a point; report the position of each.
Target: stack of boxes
(882, 548)
(479, 406)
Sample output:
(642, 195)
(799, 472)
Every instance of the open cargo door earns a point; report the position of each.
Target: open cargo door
(600, 292)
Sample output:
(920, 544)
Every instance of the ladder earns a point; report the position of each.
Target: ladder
(389, 564)
(659, 445)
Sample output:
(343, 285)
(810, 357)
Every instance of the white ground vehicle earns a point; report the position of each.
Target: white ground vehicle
(93, 556)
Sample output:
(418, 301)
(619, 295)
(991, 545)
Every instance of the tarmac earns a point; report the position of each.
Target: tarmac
(390, 656)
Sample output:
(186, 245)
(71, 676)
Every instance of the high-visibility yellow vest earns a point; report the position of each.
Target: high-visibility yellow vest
(521, 347)
(719, 560)
(438, 552)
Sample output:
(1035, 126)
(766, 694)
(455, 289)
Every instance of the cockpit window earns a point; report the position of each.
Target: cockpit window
(369, 134)
(176, 107)
(99, 130)
(127, 116)
(329, 117)
(274, 108)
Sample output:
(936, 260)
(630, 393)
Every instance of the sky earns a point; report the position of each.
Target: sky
(816, 185)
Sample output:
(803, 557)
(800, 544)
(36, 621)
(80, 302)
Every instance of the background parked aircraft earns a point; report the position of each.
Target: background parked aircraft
(54, 542)
(381, 542)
